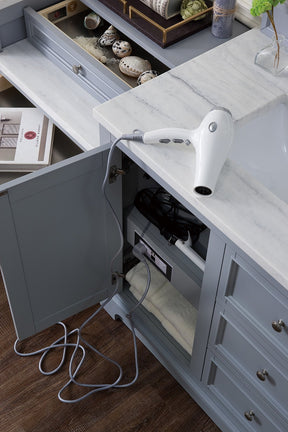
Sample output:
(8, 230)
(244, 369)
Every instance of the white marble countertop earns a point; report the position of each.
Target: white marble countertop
(247, 213)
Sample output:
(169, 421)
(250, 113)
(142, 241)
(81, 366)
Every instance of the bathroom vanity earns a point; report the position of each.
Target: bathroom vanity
(58, 236)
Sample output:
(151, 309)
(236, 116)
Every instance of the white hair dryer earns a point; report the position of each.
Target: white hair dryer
(211, 141)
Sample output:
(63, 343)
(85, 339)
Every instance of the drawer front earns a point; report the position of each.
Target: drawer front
(78, 64)
(263, 304)
(238, 405)
(260, 371)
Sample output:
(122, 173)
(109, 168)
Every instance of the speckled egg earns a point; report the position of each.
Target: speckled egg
(121, 48)
(133, 66)
(146, 76)
(109, 37)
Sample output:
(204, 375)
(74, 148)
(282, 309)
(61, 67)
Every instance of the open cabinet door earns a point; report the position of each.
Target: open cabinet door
(57, 240)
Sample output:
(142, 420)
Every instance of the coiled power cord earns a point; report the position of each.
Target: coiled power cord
(81, 343)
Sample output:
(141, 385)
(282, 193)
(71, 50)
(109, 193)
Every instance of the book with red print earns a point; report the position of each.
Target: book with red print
(26, 138)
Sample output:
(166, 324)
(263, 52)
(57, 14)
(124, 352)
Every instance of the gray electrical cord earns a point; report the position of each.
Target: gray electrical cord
(62, 342)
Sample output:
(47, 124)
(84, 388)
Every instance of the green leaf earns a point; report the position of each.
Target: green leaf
(261, 6)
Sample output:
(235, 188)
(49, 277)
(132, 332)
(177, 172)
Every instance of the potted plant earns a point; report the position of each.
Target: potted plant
(268, 58)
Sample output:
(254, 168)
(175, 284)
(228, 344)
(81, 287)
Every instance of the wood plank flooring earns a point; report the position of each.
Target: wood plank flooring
(29, 403)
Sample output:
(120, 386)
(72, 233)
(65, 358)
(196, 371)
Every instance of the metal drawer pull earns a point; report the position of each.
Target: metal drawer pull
(262, 374)
(278, 325)
(77, 69)
(249, 415)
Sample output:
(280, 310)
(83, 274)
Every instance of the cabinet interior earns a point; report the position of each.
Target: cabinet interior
(181, 277)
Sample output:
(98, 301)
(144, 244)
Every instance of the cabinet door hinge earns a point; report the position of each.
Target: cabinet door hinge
(114, 173)
(115, 276)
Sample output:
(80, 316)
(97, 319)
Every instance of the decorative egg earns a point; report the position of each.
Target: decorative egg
(109, 37)
(92, 21)
(121, 48)
(146, 76)
(133, 66)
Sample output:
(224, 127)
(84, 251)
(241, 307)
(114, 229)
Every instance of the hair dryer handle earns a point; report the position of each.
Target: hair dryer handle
(167, 135)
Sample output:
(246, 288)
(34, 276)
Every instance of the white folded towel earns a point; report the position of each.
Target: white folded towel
(174, 312)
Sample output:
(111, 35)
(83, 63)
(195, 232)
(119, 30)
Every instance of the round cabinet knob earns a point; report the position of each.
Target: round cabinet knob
(77, 69)
(262, 374)
(278, 325)
(249, 415)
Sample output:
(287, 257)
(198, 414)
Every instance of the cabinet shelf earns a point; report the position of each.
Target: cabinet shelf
(63, 147)
(149, 328)
(184, 274)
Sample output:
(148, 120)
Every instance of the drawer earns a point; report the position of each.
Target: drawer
(264, 304)
(238, 403)
(53, 32)
(247, 357)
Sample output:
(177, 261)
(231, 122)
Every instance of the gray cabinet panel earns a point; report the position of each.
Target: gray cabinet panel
(247, 356)
(260, 302)
(242, 336)
(12, 25)
(12, 269)
(209, 289)
(62, 229)
(238, 402)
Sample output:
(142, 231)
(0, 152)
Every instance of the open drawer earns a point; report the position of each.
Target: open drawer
(54, 30)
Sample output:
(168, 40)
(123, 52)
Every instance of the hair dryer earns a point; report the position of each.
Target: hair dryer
(211, 141)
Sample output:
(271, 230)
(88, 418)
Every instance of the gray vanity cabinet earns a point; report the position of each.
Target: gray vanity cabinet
(58, 237)
(247, 369)
(57, 241)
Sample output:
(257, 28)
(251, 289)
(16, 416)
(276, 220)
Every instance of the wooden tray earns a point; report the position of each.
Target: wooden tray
(161, 31)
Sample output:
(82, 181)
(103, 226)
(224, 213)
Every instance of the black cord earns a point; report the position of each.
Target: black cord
(169, 215)
(79, 346)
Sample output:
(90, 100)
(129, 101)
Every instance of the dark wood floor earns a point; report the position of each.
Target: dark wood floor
(28, 400)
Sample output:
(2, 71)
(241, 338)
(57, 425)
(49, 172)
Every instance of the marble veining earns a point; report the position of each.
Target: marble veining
(241, 208)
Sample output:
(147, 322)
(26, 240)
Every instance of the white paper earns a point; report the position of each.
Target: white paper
(25, 139)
